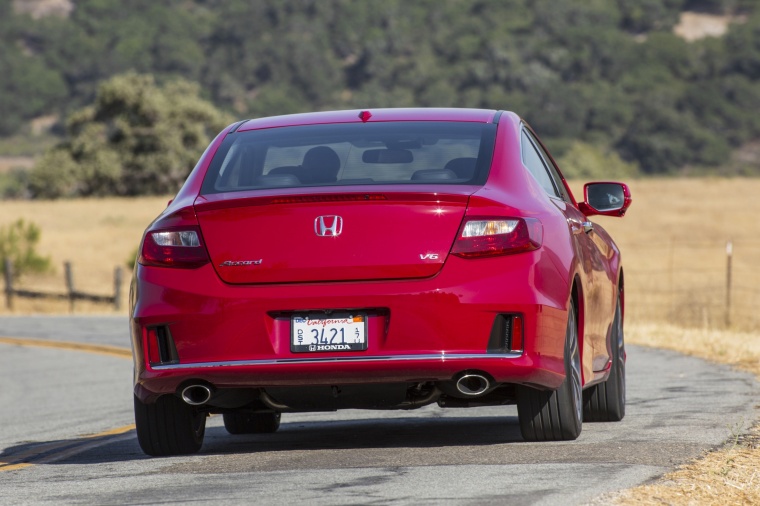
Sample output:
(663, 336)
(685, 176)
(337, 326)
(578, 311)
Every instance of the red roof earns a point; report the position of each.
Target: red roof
(352, 116)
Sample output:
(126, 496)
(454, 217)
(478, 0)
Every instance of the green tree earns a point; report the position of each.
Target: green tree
(608, 73)
(641, 16)
(28, 87)
(138, 138)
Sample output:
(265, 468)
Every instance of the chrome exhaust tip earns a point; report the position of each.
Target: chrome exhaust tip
(196, 395)
(472, 385)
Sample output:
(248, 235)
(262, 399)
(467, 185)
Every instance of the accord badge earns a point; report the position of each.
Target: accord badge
(236, 263)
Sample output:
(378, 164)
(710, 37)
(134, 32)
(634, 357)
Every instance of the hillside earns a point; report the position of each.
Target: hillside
(670, 87)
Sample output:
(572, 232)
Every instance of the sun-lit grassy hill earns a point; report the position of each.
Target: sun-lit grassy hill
(670, 87)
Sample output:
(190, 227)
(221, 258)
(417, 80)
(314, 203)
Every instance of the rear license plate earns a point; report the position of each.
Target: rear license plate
(320, 333)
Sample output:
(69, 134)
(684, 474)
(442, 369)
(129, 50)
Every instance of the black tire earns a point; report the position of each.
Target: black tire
(251, 423)
(555, 415)
(605, 402)
(169, 427)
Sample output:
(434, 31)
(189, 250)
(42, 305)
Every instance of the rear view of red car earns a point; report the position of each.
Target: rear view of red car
(381, 259)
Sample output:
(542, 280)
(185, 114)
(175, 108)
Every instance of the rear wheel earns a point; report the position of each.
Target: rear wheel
(555, 415)
(251, 423)
(605, 402)
(169, 427)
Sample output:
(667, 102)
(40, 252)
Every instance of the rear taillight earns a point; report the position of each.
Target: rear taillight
(483, 237)
(174, 248)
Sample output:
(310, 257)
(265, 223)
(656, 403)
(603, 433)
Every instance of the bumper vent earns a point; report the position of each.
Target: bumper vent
(161, 348)
(506, 334)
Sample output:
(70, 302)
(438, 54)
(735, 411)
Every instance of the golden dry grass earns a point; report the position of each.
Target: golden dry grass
(95, 235)
(673, 242)
(737, 349)
(726, 477)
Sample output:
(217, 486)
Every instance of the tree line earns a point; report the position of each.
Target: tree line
(599, 79)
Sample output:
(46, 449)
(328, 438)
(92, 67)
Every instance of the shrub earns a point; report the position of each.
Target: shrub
(18, 243)
(132, 258)
(138, 138)
(586, 161)
(14, 184)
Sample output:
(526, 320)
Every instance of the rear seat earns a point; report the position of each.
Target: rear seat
(433, 175)
(464, 168)
(272, 180)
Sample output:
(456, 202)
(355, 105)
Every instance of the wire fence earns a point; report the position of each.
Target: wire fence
(709, 284)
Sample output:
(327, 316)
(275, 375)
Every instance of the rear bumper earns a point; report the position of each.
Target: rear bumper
(506, 368)
(235, 336)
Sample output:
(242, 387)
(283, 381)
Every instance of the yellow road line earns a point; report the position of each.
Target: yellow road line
(32, 452)
(112, 432)
(41, 455)
(98, 349)
(6, 467)
(69, 448)
(80, 448)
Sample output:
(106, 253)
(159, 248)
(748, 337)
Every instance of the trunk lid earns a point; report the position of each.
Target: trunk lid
(318, 237)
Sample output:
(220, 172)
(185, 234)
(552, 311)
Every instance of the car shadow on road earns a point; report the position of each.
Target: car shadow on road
(85, 449)
(394, 434)
(411, 432)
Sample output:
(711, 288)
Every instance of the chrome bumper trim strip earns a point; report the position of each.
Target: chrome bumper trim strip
(442, 357)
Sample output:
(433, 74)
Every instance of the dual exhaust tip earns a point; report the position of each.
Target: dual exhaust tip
(473, 384)
(470, 385)
(196, 395)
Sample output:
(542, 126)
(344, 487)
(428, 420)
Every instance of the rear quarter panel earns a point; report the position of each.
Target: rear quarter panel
(592, 262)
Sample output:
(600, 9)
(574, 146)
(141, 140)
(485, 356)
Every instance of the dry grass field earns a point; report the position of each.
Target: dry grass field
(673, 242)
(95, 235)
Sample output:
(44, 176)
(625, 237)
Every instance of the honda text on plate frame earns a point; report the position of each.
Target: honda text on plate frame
(381, 259)
(318, 333)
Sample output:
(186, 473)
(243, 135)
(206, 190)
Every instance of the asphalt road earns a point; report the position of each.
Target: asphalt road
(65, 438)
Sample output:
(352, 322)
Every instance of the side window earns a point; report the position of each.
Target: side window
(536, 167)
(553, 171)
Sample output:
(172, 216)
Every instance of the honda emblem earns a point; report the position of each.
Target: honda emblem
(328, 226)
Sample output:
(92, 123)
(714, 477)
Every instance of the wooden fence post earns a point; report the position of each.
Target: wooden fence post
(8, 284)
(729, 256)
(69, 284)
(117, 277)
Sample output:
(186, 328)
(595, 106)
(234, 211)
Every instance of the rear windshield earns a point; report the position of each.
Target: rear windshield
(353, 154)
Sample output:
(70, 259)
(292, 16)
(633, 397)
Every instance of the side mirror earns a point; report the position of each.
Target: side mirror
(605, 199)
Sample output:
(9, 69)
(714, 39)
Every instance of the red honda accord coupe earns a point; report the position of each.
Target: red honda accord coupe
(377, 259)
